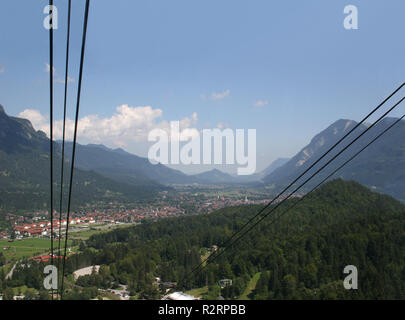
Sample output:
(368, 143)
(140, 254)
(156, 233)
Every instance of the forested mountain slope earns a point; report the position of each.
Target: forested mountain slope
(381, 166)
(301, 256)
(25, 171)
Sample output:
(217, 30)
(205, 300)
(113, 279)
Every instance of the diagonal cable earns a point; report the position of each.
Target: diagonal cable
(340, 167)
(324, 180)
(315, 163)
(216, 255)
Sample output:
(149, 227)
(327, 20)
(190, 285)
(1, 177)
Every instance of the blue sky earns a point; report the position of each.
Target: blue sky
(211, 59)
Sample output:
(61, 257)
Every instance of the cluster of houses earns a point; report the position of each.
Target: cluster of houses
(43, 228)
(47, 257)
(4, 235)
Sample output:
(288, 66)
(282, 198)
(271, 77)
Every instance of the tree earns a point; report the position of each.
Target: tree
(213, 292)
(8, 294)
(43, 294)
(2, 259)
(262, 286)
(288, 286)
(225, 270)
(30, 294)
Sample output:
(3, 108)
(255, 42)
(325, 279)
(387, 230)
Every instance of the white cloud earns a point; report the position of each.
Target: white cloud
(57, 78)
(222, 125)
(69, 80)
(221, 95)
(261, 103)
(37, 119)
(188, 133)
(126, 126)
(216, 95)
(48, 68)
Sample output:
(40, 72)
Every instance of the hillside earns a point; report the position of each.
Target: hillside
(215, 176)
(380, 167)
(273, 166)
(301, 256)
(24, 172)
(125, 167)
(131, 169)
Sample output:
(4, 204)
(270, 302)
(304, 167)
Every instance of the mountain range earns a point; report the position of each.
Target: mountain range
(125, 167)
(101, 174)
(131, 169)
(104, 174)
(25, 172)
(380, 167)
(273, 166)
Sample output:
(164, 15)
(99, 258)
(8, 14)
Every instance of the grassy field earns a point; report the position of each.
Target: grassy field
(26, 248)
(199, 292)
(83, 235)
(109, 296)
(86, 234)
(205, 257)
(250, 287)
